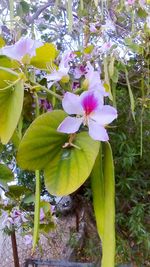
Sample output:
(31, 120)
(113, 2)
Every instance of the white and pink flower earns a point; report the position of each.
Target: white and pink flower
(90, 112)
(63, 69)
(94, 81)
(25, 46)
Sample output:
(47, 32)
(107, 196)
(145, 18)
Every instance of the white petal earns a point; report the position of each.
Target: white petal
(104, 116)
(24, 46)
(70, 125)
(97, 132)
(71, 104)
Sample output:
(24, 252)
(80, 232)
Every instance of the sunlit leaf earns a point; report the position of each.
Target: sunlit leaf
(108, 242)
(44, 55)
(2, 42)
(103, 189)
(11, 102)
(7, 62)
(88, 49)
(97, 182)
(65, 169)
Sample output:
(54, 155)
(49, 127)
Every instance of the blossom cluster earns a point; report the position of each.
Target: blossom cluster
(87, 109)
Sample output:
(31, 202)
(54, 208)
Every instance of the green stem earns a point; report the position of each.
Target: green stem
(36, 211)
(50, 92)
(11, 7)
(10, 86)
(9, 71)
(37, 105)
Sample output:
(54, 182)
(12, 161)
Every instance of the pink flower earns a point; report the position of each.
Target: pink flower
(79, 71)
(130, 2)
(7, 221)
(105, 47)
(93, 28)
(25, 46)
(63, 68)
(93, 78)
(90, 111)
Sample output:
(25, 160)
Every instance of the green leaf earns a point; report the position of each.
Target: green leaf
(44, 55)
(6, 175)
(29, 198)
(108, 242)
(65, 169)
(71, 167)
(132, 102)
(46, 206)
(41, 141)
(115, 76)
(88, 49)
(16, 191)
(97, 183)
(103, 188)
(142, 13)
(2, 42)
(133, 46)
(7, 77)
(8, 63)
(11, 102)
(111, 66)
(107, 82)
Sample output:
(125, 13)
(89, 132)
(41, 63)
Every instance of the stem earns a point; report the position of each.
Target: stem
(15, 251)
(36, 211)
(11, 7)
(9, 71)
(48, 91)
(37, 105)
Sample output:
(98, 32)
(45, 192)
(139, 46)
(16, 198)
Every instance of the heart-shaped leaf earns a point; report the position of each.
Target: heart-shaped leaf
(11, 102)
(41, 142)
(71, 167)
(65, 169)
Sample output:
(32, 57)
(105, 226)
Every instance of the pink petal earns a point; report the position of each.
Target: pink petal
(104, 116)
(94, 96)
(71, 104)
(97, 132)
(70, 125)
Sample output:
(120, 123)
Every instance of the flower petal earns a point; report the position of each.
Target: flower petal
(94, 94)
(104, 116)
(70, 125)
(71, 104)
(97, 132)
(24, 46)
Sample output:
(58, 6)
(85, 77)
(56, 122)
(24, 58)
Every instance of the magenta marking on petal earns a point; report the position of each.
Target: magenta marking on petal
(89, 103)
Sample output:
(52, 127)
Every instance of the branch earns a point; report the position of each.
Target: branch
(38, 12)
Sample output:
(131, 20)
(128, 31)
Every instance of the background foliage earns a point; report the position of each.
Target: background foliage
(127, 65)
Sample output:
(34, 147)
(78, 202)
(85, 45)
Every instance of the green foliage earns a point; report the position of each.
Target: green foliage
(6, 175)
(132, 182)
(103, 185)
(44, 55)
(11, 103)
(43, 147)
